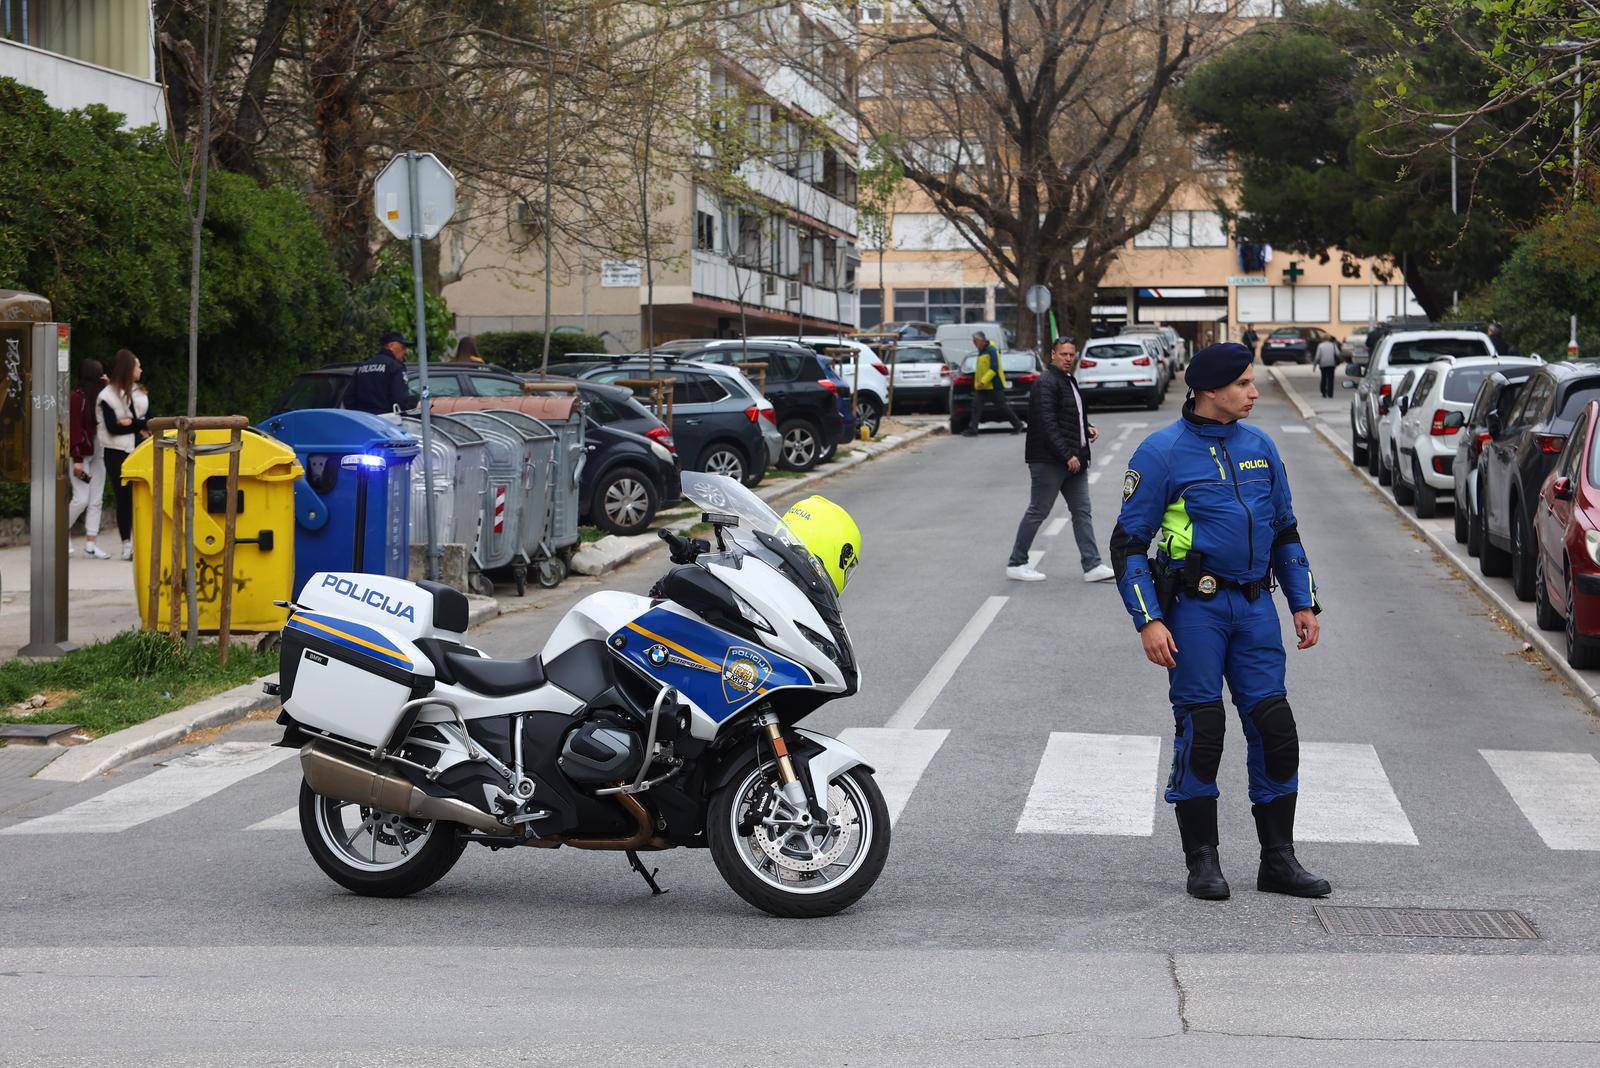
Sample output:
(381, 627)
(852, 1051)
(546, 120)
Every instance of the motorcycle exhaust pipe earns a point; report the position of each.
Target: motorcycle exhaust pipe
(347, 777)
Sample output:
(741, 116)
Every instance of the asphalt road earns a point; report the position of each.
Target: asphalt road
(1032, 910)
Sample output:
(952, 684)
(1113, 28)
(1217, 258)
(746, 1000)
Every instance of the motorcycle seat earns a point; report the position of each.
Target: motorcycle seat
(494, 678)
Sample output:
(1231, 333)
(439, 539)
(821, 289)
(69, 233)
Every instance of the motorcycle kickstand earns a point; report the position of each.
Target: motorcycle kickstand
(648, 876)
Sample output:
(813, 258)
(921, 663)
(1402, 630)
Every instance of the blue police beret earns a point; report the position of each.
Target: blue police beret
(1217, 365)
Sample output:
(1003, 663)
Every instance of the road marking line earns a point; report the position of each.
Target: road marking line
(287, 820)
(1094, 476)
(1555, 791)
(943, 670)
(1094, 784)
(1291, 429)
(1055, 526)
(1034, 556)
(1105, 461)
(898, 759)
(1348, 797)
(184, 781)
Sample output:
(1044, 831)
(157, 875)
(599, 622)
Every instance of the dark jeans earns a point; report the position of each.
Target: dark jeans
(1046, 481)
(1327, 381)
(985, 399)
(123, 494)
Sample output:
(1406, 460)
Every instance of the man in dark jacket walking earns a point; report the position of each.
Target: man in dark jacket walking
(378, 384)
(1057, 454)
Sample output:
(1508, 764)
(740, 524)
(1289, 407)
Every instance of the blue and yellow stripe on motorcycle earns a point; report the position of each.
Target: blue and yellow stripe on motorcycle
(350, 635)
(719, 672)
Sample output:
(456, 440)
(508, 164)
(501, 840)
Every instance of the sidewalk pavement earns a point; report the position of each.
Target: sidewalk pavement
(100, 597)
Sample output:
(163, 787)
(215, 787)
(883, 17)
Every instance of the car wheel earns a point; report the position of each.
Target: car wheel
(827, 453)
(723, 459)
(1386, 471)
(1522, 550)
(871, 414)
(1474, 531)
(1462, 532)
(1544, 612)
(1374, 458)
(1403, 494)
(626, 501)
(1427, 496)
(1582, 653)
(1154, 402)
(1358, 448)
(801, 445)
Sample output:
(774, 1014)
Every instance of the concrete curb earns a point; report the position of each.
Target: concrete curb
(101, 755)
(644, 544)
(1529, 633)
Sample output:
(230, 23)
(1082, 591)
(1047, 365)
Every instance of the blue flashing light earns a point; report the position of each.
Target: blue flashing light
(364, 461)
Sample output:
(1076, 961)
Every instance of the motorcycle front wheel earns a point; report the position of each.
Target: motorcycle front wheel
(373, 852)
(793, 869)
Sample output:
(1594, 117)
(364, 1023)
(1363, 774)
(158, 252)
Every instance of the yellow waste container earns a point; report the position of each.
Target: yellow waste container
(263, 555)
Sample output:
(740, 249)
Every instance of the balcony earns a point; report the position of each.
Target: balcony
(717, 279)
(88, 52)
(774, 184)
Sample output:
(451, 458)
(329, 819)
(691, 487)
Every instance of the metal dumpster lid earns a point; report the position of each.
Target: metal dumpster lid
(547, 409)
(261, 456)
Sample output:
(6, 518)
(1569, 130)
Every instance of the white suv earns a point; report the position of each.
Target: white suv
(1430, 418)
(1398, 353)
(873, 399)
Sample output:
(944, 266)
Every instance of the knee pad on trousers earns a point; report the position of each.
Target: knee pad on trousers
(1280, 744)
(1206, 723)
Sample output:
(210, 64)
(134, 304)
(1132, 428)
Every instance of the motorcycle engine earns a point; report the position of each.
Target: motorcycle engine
(601, 752)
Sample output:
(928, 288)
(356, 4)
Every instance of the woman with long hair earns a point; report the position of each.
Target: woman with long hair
(124, 406)
(88, 462)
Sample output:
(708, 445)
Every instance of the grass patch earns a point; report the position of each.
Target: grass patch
(124, 680)
(588, 534)
(784, 472)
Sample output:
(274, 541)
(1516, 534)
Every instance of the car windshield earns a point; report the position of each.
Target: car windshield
(918, 355)
(1426, 350)
(1462, 384)
(1010, 362)
(1113, 352)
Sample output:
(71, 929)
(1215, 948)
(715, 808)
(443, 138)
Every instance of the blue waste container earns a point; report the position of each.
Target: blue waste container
(326, 499)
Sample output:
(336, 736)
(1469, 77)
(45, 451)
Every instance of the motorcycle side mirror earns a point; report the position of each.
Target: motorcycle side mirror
(1561, 489)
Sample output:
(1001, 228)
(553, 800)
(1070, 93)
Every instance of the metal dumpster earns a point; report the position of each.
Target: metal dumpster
(510, 494)
(458, 481)
(535, 531)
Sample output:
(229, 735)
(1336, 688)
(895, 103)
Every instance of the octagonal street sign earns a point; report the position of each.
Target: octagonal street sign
(435, 189)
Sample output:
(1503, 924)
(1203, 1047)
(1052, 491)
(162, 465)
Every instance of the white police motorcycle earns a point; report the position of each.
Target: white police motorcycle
(646, 723)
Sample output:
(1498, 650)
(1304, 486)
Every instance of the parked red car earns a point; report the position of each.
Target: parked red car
(1566, 526)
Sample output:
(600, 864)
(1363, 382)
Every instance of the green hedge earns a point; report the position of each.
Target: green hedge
(521, 350)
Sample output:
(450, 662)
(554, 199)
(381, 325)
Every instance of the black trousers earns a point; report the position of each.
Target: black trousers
(1327, 381)
(123, 494)
(985, 399)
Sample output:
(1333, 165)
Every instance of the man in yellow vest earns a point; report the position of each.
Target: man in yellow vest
(989, 387)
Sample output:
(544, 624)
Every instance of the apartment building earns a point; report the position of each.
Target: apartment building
(81, 52)
(777, 249)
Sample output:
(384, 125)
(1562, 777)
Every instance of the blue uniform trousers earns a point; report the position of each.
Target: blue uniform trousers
(1229, 637)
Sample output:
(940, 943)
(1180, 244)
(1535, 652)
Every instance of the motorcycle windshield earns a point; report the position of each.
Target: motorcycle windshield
(719, 493)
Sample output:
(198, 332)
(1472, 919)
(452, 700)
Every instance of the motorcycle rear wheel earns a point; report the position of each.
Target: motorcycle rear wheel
(384, 854)
(783, 881)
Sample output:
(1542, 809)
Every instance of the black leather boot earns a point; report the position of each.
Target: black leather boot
(1197, 826)
(1281, 872)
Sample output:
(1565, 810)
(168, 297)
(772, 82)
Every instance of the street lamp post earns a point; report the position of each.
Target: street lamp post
(1455, 210)
(1576, 48)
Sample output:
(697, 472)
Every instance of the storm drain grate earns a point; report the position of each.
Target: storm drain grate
(1424, 923)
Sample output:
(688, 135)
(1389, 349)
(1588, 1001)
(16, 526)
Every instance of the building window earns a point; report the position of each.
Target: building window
(911, 305)
(1284, 304)
(871, 307)
(1184, 229)
(872, 13)
(1005, 309)
(1374, 304)
(705, 231)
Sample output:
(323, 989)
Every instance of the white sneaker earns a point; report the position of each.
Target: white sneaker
(1098, 574)
(1024, 573)
(92, 549)
(127, 550)
(70, 550)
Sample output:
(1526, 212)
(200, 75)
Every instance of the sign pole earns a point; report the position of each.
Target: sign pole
(47, 499)
(433, 554)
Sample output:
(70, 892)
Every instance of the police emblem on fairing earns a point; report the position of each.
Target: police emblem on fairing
(1130, 482)
(743, 673)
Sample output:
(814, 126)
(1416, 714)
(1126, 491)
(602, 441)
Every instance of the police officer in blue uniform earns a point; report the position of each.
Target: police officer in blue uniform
(1211, 494)
(378, 384)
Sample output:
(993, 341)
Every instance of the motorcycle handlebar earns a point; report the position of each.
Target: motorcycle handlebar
(683, 550)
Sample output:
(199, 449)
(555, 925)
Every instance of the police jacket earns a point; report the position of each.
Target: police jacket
(1058, 429)
(1219, 488)
(378, 385)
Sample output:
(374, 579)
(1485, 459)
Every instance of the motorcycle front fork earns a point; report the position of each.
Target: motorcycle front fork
(789, 785)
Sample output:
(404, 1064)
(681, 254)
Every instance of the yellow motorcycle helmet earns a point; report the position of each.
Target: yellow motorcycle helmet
(830, 534)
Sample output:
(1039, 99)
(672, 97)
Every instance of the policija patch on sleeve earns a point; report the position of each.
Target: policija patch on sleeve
(1130, 482)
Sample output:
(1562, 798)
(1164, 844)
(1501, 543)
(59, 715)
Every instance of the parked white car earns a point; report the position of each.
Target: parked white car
(872, 398)
(1174, 350)
(1388, 425)
(1397, 353)
(1430, 419)
(1121, 369)
(921, 378)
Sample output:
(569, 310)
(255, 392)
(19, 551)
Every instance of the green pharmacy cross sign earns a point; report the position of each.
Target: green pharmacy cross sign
(1292, 273)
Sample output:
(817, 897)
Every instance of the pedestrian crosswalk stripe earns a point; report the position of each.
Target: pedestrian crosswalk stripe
(1556, 791)
(287, 820)
(1349, 798)
(1094, 784)
(898, 759)
(1094, 476)
(184, 781)
(1292, 428)
(1056, 526)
